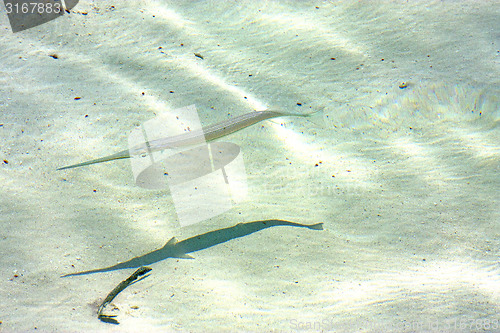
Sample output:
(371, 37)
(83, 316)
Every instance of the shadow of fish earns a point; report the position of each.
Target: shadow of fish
(176, 249)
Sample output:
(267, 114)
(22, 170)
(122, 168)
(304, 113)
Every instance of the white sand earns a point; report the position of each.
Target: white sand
(411, 215)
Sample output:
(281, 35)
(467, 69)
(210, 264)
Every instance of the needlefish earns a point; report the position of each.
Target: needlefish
(207, 133)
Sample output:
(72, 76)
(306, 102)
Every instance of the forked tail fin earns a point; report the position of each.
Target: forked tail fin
(316, 116)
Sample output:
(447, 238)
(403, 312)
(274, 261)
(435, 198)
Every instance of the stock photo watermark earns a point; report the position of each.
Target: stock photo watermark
(26, 14)
(458, 324)
(205, 179)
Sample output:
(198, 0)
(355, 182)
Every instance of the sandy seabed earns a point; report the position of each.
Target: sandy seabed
(401, 164)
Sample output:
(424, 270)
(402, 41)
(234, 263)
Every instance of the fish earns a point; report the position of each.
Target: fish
(207, 134)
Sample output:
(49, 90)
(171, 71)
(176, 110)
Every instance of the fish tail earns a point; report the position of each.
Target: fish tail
(317, 226)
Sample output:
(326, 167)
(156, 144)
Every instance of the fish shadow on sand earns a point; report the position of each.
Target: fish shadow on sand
(176, 249)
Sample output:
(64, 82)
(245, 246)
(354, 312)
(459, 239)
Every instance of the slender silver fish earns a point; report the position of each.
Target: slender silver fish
(207, 133)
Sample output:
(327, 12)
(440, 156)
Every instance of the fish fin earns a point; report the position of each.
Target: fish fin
(184, 256)
(172, 242)
(317, 226)
(276, 108)
(316, 116)
(321, 119)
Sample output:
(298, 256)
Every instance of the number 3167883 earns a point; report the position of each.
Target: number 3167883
(33, 7)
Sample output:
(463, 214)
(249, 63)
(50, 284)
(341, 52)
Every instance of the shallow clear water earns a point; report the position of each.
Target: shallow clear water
(404, 179)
